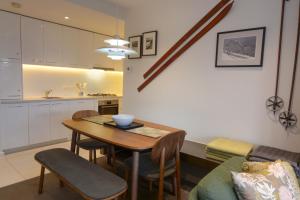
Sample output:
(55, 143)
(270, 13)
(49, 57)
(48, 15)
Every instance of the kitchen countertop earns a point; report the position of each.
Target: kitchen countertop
(40, 99)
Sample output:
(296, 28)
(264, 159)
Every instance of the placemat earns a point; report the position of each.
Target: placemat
(98, 119)
(130, 126)
(149, 132)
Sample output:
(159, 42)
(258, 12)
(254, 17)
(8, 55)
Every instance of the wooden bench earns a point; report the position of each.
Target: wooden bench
(89, 180)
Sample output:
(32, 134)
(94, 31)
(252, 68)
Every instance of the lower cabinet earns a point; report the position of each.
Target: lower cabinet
(39, 123)
(14, 125)
(59, 111)
(24, 124)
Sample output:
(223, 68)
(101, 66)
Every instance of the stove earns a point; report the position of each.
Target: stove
(102, 95)
(107, 106)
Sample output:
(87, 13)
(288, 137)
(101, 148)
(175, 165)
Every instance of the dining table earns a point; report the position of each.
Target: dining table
(134, 142)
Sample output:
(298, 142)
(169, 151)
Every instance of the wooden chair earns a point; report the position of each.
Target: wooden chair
(163, 161)
(89, 144)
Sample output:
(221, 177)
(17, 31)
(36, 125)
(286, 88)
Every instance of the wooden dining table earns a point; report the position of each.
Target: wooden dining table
(117, 137)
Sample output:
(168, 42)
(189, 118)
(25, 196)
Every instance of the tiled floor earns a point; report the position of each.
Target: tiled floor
(21, 166)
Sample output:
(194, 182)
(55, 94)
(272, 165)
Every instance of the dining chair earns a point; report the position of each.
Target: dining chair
(163, 161)
(88, 143)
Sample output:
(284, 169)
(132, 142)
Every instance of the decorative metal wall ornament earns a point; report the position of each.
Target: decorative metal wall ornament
(275, 103)
(288, 119)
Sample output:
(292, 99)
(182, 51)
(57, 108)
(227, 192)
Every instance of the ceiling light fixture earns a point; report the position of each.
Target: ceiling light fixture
(116, 49)
(66, 17)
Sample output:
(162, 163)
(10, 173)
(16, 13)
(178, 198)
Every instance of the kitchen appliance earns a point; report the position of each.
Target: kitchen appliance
(108, 104)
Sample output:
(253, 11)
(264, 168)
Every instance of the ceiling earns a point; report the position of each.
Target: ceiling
(94, 15)
(127, 4)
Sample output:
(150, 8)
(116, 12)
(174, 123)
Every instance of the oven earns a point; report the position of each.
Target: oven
(108, 107)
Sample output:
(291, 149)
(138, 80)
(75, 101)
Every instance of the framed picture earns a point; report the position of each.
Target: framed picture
(135, 42)
(241, 48)
(150, 43)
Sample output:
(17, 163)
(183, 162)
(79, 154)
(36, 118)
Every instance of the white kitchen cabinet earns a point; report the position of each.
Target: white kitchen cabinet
(85, 48)
(101, 60)
(14, 125)
(10, 79)
(52, 44)
(39, 123)
(70, 47)
(59, 111)
(32, 41)
(82, 105)
(10, 45)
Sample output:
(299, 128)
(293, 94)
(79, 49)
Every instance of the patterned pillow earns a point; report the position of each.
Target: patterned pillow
(277, 181)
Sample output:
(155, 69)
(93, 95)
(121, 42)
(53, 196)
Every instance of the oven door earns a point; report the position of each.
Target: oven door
(108, 109)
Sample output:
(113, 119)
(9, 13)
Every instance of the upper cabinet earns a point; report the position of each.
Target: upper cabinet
(101, 60)
(86, 48)
(46, 43)
(10, 47)
(52, 44)
(32, 41)
(70, 46)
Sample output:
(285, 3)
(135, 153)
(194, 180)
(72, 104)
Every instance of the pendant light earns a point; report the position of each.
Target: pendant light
(116, 48)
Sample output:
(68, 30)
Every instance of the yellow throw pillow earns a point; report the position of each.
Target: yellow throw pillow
(275, 181)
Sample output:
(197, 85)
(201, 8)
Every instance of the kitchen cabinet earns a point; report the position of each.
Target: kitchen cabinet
(24, 124)
(85, 48)
(70, 47)
(83, 105)
(101, 60)
(10, 79)
(14, 125)
(10, 47)
(39, 123)
(52, 44)
(59, 111)
(32, 41)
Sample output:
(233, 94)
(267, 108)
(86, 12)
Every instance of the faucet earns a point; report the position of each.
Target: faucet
(47, 92)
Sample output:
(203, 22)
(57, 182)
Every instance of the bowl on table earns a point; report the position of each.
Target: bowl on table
(123, 119)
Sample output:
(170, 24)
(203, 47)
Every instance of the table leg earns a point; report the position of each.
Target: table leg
(73, 141)
(135, 172)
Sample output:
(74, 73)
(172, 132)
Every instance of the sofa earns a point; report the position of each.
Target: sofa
(218, 185)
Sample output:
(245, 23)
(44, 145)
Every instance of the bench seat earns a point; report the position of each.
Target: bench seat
(90, 180)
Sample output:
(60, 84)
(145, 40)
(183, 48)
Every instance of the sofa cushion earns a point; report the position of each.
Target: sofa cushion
(276, 181)
(218, 185)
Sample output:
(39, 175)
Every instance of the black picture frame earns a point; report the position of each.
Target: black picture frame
(139, 40)
(153, 50)
(257, 61)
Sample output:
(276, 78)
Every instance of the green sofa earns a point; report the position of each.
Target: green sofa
(217, 185)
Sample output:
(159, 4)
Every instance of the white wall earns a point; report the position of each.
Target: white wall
(194, 95)
(38, 79)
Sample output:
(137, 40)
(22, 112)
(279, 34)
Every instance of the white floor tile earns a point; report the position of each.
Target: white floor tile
(8, 174)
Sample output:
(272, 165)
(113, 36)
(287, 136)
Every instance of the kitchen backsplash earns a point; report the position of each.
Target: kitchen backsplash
(38, 79)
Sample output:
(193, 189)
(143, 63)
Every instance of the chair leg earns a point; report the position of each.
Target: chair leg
(77, 150)
(41, 184)
(90, 155)
(150, 186)
(95, 156)
(161, 175)
(174, 184)
(178, 184)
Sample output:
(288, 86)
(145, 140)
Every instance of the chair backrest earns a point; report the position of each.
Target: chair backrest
(169, 143)
(84, 113)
